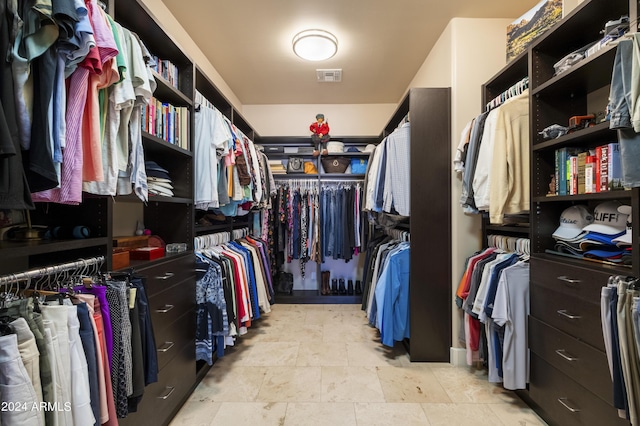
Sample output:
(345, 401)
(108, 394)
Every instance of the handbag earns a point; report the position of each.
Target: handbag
(284, 282)
(310, 168)
(295, 165)
(335, 164)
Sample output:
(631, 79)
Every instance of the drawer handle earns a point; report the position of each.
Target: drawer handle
(565, 314)
(166, 346)
(166, 276)
(168, 391)
(564, 402)
(565, 355)
(165, 309)
(568, 280)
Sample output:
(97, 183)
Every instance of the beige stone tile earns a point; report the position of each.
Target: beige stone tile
(439, 414)
(269, 354)
(320, 414)
(301, 333)
(351, 384)
(411, 384)
(323, 354)
(251, 413)
(291, 384)
(232, 384)
(469, 385)
(196, 413)
(374, 354)
(269, 333)
(291, 317)
(346, 307)
(516, 413)
(324, 317)
(372, 414)
(347, 333)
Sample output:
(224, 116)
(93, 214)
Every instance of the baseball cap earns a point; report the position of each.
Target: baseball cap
(626, 238)
(572, 221)
(608, 220)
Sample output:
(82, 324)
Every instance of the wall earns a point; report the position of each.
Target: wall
(294, 120)
(184, 41)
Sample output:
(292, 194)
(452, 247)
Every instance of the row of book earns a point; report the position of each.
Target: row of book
(586, 171)
(166, 121)
(167, 70)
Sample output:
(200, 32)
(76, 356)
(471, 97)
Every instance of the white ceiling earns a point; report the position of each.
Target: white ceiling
(382, 43)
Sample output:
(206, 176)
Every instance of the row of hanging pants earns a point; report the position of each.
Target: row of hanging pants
(620, 301)
(81, 358)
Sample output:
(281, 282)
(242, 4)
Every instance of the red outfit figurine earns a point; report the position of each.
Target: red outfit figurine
(320, 135)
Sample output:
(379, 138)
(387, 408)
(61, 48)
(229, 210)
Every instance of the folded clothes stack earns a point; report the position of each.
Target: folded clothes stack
(277, 168)
(158, 180)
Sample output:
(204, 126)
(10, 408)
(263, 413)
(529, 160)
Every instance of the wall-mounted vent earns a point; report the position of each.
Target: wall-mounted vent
(329, 76)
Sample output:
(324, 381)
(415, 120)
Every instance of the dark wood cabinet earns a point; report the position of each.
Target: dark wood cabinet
(570, 382)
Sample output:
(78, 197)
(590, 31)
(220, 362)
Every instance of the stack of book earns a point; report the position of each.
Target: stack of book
(277, 168)
(585, 171)
(166, 121)
(167, 70)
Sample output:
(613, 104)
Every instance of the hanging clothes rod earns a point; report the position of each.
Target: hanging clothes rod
(50, 270)
(515, 90)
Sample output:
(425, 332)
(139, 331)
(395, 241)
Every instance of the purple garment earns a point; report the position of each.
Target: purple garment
(100, 292)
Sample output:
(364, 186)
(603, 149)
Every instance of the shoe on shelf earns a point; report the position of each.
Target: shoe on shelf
(358, 287)
(325, 152)
(334, 286)
(316, 152)
(350, 287)
(341, 288)
(326, 289)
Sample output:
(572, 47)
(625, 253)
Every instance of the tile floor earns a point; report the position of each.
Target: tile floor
(323, 365)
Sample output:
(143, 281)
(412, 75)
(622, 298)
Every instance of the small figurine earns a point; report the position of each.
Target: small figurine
(320, 135)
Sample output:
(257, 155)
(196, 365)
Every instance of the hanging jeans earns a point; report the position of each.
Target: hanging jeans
(620, 109)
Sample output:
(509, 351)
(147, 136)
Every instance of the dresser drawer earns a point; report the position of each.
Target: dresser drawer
(581, 362)
(170, 339)
(575, 317)
(573, 281)
(161, 400)
(566, 402)
(168, 305)
(162, 276)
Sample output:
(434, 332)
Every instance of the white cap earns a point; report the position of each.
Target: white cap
(626, 238)
(572, 221)
(370, 148)
(608, 220)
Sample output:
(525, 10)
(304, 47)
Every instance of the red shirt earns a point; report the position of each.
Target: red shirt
(319, 128)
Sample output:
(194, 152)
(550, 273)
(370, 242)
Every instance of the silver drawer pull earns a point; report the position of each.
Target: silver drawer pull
(565, 314)
(565, 355)
(564, 402)
(166, 346)
(165, 309)
(166, 276)
(168, 391)
(569, 280)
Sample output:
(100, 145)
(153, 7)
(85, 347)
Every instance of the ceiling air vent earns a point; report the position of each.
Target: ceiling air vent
(329, 76)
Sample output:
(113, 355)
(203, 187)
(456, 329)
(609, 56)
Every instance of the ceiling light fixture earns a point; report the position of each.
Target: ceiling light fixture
(315, 45)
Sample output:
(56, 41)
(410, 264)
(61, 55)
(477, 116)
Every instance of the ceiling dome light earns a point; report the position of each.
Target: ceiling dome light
(315, 45)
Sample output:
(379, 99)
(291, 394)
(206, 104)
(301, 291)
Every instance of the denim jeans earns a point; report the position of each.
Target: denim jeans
(621, 109)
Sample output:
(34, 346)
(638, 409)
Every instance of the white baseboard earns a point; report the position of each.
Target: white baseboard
(458, 357)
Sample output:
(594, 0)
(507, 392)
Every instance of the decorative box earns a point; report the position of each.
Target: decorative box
(119, 258)
(131, 242)
(147, 253)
